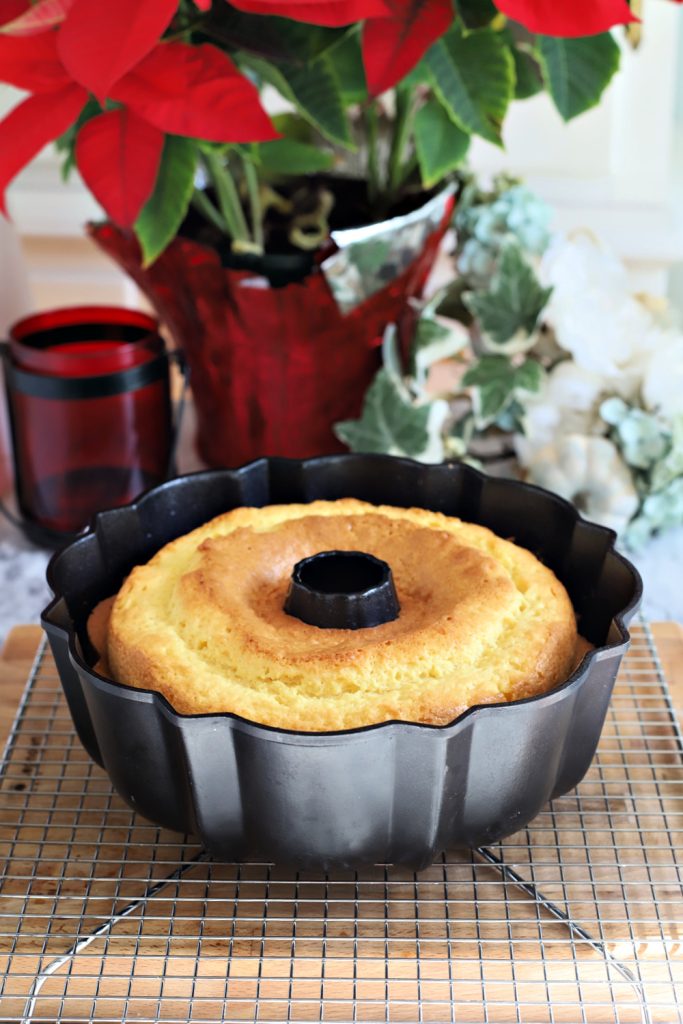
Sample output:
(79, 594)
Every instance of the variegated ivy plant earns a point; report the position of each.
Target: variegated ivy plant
(547, 346)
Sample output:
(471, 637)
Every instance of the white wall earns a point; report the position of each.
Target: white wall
(613, 169)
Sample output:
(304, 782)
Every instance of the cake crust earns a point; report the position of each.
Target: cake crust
(203, 623)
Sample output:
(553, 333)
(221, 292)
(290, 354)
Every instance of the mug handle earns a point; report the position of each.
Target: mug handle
(4, 510)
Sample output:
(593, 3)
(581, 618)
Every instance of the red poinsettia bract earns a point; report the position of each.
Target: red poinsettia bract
(396, 33)
(118, 155)
(392, 46)
(33, 124)
(163, 87)
(578, 18)
(99, 43)
(63, 50)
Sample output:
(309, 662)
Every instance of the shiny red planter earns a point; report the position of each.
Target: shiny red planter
(396, 792)
(272, 369)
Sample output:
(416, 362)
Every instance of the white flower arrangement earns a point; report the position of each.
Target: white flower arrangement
(549, 348)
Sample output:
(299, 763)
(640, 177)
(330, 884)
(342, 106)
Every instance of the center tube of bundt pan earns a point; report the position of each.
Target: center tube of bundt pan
(342, 590)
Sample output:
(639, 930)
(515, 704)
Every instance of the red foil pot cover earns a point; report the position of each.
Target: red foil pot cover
(272, 369)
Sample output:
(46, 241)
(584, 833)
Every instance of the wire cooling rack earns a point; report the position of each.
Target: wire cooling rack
(574, 920)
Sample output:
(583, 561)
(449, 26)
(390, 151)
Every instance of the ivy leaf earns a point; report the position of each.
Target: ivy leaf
(577, 71)
(287, 156)
(440, 144)
(528, 377)
(511, 419)
(314, 89)
(389, 423)
(161, 216)
(514, 302)
(433, 341)
(391, 360)
(496, 384)
(473, 76)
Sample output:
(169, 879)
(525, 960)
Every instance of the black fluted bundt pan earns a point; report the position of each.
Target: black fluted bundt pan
(395, 792)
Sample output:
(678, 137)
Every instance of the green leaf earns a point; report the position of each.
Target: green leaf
(391, 360)
(348, 65)
(419, 75)
(293, 126)
(577, 71)
(496, 384)
(287, 156)
(528, 376)
(433, 341)
(163, 213)
(492, 380)
(493, 399)
(388, 422)
(513, 303)
(274, 38)
(528, 75)
(476, 13)
(313, 88)
(511, 419)
(441, 146)
(474, 77)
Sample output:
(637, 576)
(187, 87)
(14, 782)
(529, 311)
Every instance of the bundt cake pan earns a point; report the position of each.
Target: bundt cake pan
(396, 792)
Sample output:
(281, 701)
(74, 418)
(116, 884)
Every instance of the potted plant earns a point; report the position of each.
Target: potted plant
(277, 246)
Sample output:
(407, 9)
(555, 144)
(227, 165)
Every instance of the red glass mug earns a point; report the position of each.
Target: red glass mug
(89, 403)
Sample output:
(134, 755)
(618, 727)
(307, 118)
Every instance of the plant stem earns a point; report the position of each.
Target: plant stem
(374, 183)
(228, 199)
(402, 126)
(255, 206)
(201, 201)
(406, 170)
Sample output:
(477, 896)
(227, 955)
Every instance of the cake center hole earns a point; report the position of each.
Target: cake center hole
(342, 590)
(342, 572)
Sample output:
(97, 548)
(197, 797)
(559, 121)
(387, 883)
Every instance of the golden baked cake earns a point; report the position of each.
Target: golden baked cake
(481, 620)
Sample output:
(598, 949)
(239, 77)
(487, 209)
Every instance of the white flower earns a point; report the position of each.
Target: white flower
(573, 387)
(568, 402)
(590, 472)
(663, 379)
(579, 263)
(593, 311)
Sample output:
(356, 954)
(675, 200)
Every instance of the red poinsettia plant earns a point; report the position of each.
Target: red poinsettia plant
(162, 104)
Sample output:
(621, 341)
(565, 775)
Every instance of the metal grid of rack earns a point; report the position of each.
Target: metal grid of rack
(576, 919)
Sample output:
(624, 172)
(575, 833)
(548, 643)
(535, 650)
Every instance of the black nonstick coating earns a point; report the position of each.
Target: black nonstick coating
(395, 792)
